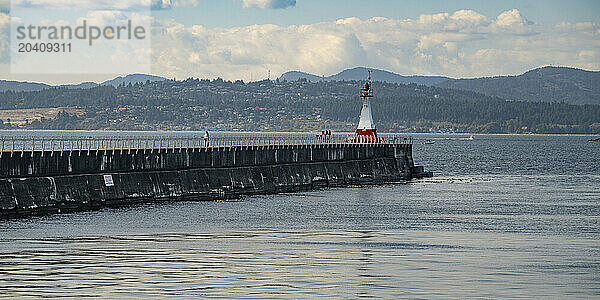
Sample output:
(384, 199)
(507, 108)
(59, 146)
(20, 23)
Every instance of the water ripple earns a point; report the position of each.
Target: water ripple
(274, 264)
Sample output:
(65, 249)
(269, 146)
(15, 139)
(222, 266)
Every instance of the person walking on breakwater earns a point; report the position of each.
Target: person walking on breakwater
(205, 138)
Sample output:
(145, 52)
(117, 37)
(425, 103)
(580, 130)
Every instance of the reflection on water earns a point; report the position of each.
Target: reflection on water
(270, 263)
(508, 216)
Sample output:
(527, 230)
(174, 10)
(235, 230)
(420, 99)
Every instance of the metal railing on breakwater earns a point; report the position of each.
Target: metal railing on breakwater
(97, 143)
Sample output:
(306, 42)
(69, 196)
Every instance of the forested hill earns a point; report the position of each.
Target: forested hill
(7, 85)
(24, 86)
(547, 84)
(360, 73)
(289, 106)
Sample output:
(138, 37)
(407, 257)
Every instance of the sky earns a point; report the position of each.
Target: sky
(229, 13)
(244, 39)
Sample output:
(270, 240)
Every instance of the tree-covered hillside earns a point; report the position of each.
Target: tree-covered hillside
(295, 106)
(548, 84)
(6, 85)
(359, 73)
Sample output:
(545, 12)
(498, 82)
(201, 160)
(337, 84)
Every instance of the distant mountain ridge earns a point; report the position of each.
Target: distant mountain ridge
(546, 84)
(24, 86)
(359, 73)
(21, 86)
(296, 75)
(132, 78)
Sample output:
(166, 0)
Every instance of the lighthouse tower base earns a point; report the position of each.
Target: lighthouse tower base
(367, 132)
(366, 126)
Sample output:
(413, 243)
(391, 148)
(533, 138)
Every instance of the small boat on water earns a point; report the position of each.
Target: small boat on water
(428, 142)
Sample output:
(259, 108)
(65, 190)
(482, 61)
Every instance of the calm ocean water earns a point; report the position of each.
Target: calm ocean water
(505, 217)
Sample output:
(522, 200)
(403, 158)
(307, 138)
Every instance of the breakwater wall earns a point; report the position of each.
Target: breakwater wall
(46, 181)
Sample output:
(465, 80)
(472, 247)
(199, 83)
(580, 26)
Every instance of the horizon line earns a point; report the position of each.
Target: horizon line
(307, 73)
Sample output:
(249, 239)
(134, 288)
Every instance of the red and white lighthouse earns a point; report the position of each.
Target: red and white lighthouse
(366, 127)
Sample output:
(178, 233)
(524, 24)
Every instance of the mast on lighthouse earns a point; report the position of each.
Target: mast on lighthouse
(366, 126)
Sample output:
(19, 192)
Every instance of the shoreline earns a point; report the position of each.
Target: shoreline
(286, 132)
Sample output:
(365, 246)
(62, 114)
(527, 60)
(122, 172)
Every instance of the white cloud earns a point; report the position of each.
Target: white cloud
(466, 21)
(103, 4)
(269, 3)
(113, 18)
(103, 17)
(83, 4)
(4, 6)
(4, 34)
(168, 4)
(461, 44)
(4, 20)
(511, 18)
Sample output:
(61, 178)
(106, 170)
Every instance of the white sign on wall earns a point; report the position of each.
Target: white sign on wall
(108, 180)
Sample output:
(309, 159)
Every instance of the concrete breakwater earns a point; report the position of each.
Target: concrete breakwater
(45, 181)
